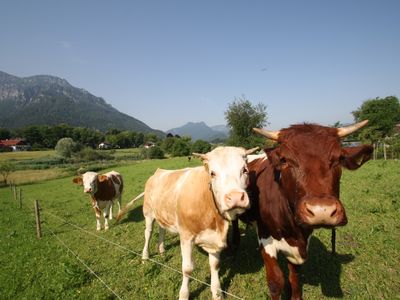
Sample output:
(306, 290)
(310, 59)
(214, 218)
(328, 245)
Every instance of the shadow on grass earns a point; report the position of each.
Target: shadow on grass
(134, 215)
(246, 259)
(323, 268)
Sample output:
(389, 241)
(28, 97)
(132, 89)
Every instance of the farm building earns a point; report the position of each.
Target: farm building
(15, 144)
(105, 146)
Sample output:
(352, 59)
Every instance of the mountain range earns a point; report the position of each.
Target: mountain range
(200, 131)
(49, 100)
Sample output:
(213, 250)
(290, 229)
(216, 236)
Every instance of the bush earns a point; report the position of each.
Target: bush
(156, 152)
(152, 153)
(5, 169)
(88, 154)
(66, 147)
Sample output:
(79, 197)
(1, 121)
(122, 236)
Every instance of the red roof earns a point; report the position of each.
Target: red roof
(13, 142)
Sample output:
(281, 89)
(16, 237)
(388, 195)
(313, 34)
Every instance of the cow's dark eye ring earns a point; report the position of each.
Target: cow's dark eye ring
(213, 174)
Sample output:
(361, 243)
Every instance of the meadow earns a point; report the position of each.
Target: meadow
(366, 266)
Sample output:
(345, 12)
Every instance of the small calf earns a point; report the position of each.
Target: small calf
(103, 189)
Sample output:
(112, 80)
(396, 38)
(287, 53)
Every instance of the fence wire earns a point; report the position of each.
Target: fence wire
(130, 251)
(83, 263)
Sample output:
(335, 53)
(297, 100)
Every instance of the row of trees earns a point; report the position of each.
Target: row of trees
(241, 116)
(46, 137)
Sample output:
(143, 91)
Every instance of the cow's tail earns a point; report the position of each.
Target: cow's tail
(128, 207)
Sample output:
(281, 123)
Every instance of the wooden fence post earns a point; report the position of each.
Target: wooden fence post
(37, 216)
(15, 192)
(333, 240)
(20, 198)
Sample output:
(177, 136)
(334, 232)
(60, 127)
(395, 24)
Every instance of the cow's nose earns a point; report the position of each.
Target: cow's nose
(324, 212)
(89, 190)
(237, 199)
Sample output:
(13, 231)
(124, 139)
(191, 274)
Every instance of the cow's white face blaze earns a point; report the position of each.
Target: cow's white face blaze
(89, 181)
(228, 172)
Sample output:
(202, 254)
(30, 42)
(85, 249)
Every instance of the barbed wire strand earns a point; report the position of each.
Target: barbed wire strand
(82, 262)
(138, 254)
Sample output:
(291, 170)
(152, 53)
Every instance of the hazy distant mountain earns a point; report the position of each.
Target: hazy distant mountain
(199, 131)
(49, 100)
(221, 128)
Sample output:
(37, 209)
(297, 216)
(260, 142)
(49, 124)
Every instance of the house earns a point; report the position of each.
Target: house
(105, 146)
(148, 145)
(15, 144)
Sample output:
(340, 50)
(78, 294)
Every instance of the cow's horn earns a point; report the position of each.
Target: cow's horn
(250, 151)
(269, 134)
(345, 131)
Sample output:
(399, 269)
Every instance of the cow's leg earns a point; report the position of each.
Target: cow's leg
(275, 279)
(98, 215)
(106, 212)
(187, 267)
(294, 281)
(110, 215)
(147, 235)
(161, 236)
(213, 259)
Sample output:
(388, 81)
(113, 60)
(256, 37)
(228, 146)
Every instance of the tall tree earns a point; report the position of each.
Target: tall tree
(383, 115)
(242, 116)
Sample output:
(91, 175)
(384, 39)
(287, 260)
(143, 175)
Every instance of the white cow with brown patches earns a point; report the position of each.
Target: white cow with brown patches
(103, 189)
(197, 203)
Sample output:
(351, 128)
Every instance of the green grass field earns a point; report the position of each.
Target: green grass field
(366, 266)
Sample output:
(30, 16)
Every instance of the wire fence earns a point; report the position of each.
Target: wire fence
(118, 246)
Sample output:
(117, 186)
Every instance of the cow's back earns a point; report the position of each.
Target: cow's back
(181, 200)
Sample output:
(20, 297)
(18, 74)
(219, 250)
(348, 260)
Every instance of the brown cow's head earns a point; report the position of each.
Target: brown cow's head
(307, 165)
(89, 181)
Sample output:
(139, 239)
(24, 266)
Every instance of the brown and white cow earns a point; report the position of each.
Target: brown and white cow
(103, 189)
(294, 190)
(197, 203)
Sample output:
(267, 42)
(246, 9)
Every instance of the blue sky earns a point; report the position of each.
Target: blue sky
(170, 62)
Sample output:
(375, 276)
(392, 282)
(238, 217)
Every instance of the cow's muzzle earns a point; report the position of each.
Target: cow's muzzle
(321, 212)
(237, 199)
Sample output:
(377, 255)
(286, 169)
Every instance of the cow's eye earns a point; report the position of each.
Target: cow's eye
(283, 161)
(245, 171)
(213, 174)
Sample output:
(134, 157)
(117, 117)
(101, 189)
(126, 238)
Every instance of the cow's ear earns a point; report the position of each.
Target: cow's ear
(102, 178)
(354, 157)
(78, 180)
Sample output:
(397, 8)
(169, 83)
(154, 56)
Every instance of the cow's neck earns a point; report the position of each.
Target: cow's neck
(219, 219)
(278, 218)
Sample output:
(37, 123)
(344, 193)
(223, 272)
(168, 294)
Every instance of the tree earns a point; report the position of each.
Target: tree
(242, 116)
(201, 146)
(168, 143)
(383, 115)
(5, 169)
(66, 147)
(181, 147)
(4, 133)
